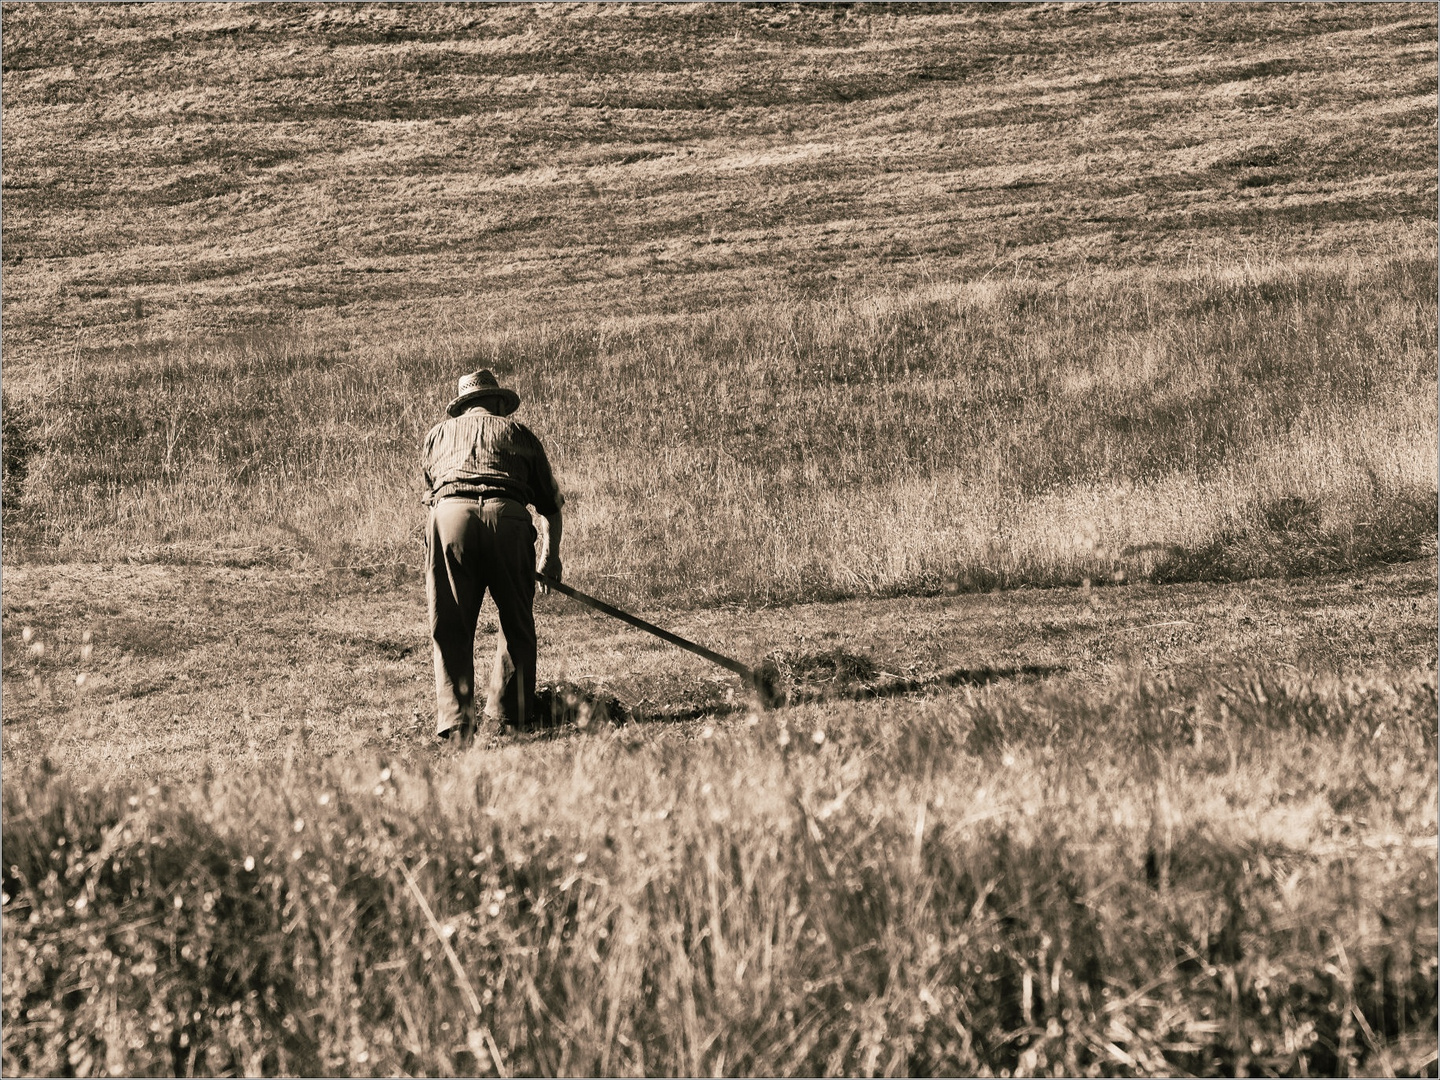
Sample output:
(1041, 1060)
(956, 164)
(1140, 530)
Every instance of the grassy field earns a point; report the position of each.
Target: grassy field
(1049, 882)
(809, 303)
(1219, 423)
(1165, 829)
(1050, 391)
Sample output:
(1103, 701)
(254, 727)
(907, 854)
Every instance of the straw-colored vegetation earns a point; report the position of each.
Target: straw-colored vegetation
(1198, 821)
(808, 303)
(909, 306)
(1223, 422)
(1017, 879)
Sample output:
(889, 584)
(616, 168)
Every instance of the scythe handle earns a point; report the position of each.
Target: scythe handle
(650, 628)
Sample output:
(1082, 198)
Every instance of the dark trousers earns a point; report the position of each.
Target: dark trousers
(472, 547)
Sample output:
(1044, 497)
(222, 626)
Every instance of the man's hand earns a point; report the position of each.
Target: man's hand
(551, 567)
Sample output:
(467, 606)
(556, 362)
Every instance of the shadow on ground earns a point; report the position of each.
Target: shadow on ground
(897, 687)
(567, 707)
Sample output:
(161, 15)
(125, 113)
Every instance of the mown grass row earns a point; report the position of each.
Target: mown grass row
(1147, 878)
(1229, 420)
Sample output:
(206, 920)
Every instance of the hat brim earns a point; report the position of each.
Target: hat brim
(456, 407)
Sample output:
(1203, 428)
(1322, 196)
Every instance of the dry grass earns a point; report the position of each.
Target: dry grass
(1201, 833)
(1016, 878)
(809, 306)
(1227, 421)
(392, 168)
(193, 669)
(871, 301)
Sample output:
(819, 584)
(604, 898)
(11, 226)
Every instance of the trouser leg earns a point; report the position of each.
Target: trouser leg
(510, 575)
(454, 591)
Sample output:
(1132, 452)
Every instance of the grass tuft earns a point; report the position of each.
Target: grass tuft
(568, 704)
(1290, 538)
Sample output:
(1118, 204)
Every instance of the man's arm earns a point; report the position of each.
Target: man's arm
(548, 502)
(550, 564)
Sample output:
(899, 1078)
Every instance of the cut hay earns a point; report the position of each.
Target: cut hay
(795, 676)
(567, 704)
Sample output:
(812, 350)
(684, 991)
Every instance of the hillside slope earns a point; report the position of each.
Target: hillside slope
(808, 302)
(213, 166)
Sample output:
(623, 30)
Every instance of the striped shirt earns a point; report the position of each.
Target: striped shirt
(479, 453)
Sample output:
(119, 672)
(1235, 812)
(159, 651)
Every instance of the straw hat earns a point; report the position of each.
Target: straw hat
(481, 384)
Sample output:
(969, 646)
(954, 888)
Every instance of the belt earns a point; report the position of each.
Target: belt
(458, 491)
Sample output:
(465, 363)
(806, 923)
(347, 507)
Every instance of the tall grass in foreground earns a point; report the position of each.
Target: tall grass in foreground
(1227, 420)
(1146, 879)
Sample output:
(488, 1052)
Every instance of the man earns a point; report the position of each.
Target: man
(481, 470)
